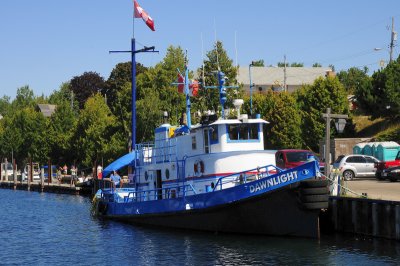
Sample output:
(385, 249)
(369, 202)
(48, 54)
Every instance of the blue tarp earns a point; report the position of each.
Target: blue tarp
(125, 160)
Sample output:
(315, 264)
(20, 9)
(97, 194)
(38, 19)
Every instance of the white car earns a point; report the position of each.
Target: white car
(355, 165)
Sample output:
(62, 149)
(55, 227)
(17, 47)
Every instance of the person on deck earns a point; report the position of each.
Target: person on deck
(115, 178)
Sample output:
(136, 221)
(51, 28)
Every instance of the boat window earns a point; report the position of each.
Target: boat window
(243, 132)
(214, 134)
(194, 146)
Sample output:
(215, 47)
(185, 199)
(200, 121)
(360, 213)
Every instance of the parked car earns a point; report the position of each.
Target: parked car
(392, 173)
(355, 165)
(382, 165)
(289, 158)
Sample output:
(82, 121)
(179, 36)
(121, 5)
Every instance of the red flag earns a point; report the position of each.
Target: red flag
(194, 88)
(181, 85)
(140, 13)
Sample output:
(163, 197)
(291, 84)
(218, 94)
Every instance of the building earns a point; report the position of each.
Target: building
(265, 78)
(46, 109)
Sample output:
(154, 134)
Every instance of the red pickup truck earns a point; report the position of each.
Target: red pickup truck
(290, 158)
(380, 166)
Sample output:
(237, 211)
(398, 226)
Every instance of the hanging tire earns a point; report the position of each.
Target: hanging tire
(315, 198)
(314, 191)
(316, 205)
(348, 175)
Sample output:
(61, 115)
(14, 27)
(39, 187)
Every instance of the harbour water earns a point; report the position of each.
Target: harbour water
(53, 229)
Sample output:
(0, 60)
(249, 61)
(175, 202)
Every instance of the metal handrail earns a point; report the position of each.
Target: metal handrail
(245, 177)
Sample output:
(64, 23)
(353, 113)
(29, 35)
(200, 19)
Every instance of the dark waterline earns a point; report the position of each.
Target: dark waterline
(51, 229)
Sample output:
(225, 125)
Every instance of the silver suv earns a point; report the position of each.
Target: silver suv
(355, 165)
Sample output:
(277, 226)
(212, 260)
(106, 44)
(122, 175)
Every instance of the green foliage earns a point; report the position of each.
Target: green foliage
(316, 65)
(24, 98)
(313, 101)
(280, 110)
(23, 134)
(95, 128)
(5, 105)
(258, 63)
(149, 116)
(217, 59)
(353, 79)
(385, 93)
(85, 86)
(295, 64)
(60, 133)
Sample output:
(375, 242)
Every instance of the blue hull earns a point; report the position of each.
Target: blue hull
(269, 205)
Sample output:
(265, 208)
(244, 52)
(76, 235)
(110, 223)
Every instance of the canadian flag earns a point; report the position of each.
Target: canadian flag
(140, 13)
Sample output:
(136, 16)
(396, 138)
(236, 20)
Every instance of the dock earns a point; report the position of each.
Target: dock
(375, 214)
(50, 188)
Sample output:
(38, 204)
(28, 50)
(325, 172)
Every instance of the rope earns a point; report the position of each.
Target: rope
(336, 175)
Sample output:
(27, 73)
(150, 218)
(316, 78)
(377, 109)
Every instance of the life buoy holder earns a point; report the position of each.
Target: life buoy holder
(198, 167)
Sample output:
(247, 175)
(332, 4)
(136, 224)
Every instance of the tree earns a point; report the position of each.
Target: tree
(94, 135)
(85, 86)
(280, 110)
(295, 64)
(313, 101)
(385, 93)
(258, 63)
(217, 59)
(23, 134)
(60, 133)
(352, 78)
(119, 77)
(62, 95)
(5, 105)
(316, 65)
(24, 98)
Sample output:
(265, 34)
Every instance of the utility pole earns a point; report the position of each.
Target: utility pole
(328, 116)
(393, 38)
(284, 73)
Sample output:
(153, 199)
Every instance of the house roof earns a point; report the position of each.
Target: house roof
(275, 75)
(47, 109)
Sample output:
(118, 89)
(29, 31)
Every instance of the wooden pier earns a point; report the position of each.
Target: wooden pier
(47, 187)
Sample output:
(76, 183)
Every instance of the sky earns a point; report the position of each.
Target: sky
(45, 43)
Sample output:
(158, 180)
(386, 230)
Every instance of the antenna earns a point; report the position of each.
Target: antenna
(216, 45)
(202, 58)
(236, 59)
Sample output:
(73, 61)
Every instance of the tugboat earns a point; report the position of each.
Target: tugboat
(215, 176)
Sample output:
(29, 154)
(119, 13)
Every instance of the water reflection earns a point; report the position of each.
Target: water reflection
(58, 229)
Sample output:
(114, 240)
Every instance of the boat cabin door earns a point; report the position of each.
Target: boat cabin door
(206, 141)
(159, 185)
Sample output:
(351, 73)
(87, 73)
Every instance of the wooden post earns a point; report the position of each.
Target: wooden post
(15, 175)
(42, 179)
(49, 173)
(29, 174)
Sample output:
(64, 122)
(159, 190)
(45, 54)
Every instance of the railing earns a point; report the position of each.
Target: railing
(247, 176)
(163, 150)
(163, 193)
